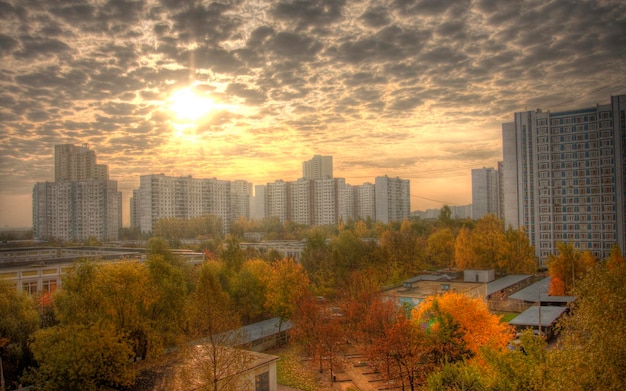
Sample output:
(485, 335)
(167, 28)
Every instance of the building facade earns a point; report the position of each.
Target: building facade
(319, 167)
(160, 196)
(485, 192)
(564, 177)
(393, 199)
(81, 203)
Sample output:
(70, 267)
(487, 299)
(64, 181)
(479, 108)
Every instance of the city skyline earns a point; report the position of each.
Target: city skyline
(410, 89)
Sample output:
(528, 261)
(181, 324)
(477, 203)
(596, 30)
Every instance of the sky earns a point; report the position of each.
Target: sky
(248, 89)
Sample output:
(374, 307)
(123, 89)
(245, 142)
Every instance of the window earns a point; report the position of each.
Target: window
(30, 287)
(262, 382)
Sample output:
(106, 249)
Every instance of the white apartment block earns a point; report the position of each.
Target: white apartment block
(257, 203)
(160, 196)
(77, 210)
(300, 203)
(564, 177)
(77, 163)
(329, 201)
(365, 201)
(393, 199)
(485, 192)
(319, 167)
(276, 200)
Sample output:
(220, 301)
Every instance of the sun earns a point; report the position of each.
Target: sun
(188, 106)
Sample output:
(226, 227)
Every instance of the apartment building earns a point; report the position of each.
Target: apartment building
(319, 167)
(81, 203)
(564, 177)
(393, 199)
(485, 192)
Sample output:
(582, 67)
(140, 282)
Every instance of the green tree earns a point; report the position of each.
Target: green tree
(487, 239)
(18, 321)
(317, 261)
(233, 256)
(248, 290)
(78, 357)
(592, 344)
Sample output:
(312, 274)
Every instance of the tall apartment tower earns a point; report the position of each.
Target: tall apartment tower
(320, 167)
(77, 163)
(564, 177)
(365, 201)
(485, 192)
(393, 199)
(81, 203)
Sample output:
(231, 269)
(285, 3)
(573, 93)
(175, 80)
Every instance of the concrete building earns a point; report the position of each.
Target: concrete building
(300, 205)
(365, 201)
(564, 177)
(77, 163)
(160, 196)
(277, 200)
(393, 199)
(257, 203)
(320, 167)
(82, 203)
(329, 201)
(485, 192)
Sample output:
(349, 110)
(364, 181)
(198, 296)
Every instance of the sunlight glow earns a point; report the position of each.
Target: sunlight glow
(187, 105)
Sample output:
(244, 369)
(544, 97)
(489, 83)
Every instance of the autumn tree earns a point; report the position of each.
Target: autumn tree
(18, 321)
(480, 327)
(286, 283)
(441, 248)
(569, 266)
(487, 240)
(464, 254)
(592, 344)
(214, 323)
(78, 357)
(400, 250)
(518, 255)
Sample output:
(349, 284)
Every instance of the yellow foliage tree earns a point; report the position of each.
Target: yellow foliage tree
(479, 326)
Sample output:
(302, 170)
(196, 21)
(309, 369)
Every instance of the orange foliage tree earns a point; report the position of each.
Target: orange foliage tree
(569, 266)
(478, 325)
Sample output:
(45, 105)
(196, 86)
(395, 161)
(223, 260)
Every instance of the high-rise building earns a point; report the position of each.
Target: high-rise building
(365, 201)
(485, 192)
(257, 203)
(393, 199)
(81, 204)
(160, 196)
(277, 200)
(320, 167)
(300, 202)
(564, 177)
(77, 163)
(329, 201)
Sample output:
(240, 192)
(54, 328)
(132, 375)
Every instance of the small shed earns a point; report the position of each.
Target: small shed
(538, 317)
(479, 275)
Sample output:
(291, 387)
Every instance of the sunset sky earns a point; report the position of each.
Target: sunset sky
(249, 89)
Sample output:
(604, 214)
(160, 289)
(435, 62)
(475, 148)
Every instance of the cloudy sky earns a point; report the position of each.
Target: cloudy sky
(248, 89)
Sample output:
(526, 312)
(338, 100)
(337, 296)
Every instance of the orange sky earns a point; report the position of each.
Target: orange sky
(249, 89)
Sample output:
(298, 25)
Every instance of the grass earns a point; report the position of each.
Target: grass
(292, 373)
(507, 317)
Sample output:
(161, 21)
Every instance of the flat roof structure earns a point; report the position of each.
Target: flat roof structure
(530, 317)
(538, 292)
(505, 282)
(266, 328)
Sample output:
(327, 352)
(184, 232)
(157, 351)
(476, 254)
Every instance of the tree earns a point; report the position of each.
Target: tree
(286, 283)
(464, 255)
(316, 260)
(214, 323)
(518, 255)
(487, 239)
(592, 344)
(77, 357)
(568, 267)
(480, 328)
(18, 321)
(441, 248)
(248, 290)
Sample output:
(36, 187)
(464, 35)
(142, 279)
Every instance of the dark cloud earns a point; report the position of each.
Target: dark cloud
(393, 79)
